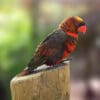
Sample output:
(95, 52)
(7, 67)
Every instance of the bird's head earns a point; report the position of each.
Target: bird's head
(74, 25)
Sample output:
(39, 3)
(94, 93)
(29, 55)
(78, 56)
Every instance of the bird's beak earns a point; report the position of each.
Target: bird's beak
(82, 29)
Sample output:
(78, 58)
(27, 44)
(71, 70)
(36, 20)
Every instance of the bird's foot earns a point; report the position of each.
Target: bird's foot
(67, 59)
(58, 65)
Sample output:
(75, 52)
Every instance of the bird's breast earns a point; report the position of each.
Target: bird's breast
(69, 49)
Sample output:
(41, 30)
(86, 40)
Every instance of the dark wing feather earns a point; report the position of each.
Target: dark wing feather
(51, 46)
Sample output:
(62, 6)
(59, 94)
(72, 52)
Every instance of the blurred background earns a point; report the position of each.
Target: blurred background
(24, 23)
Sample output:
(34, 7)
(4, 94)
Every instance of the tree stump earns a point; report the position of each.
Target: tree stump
(53, 84)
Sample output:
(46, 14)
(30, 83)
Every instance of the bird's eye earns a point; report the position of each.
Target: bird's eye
(81, 24)
(75, 23)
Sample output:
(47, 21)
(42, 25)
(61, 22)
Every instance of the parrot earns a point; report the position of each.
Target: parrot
(58, 45)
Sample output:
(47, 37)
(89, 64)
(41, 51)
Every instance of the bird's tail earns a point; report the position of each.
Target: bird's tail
(26, 71)
(30, 69)
(32, 65)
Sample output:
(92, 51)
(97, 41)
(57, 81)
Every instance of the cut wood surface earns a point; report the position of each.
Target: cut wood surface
(53, 84)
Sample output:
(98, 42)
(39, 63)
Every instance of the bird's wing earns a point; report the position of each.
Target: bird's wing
(52, 44)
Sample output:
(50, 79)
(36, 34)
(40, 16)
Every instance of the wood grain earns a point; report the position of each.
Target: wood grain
(53, 84)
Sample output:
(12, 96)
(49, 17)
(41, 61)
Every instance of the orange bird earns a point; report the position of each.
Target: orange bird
(58, 45)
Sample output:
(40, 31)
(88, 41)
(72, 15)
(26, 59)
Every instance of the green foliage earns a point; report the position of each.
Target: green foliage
(14, 38)
(15, 44)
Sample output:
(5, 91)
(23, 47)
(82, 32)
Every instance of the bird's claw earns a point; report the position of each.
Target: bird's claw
(68, 59)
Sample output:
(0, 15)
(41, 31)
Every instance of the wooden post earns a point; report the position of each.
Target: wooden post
(53, 84)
